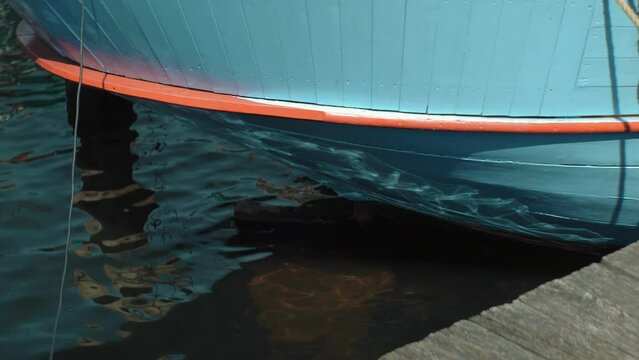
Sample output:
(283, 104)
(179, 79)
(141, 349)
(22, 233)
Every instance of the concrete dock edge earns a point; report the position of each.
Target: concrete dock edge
(592, 313)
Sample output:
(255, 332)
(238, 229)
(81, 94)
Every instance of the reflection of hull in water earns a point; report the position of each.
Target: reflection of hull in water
(503, 182)
(131, 265)
(551, 178)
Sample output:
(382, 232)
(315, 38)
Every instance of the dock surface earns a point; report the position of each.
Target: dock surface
(592, 313)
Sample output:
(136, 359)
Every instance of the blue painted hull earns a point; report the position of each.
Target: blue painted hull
(543, 58)
(504, 182)
(557, 58)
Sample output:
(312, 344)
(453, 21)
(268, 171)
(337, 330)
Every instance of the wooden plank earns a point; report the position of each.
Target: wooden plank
(112, 31)
(611, 329)
(419, 43)
(154, 36)
(573, 33)
(388, 50)
(236, 39)
(417, 350)
(625, 260)
(590, 314)
(537, 58)
(450, 46)
(596, 73)
(182, 45)
(356, 22)
(625, 41)
(65, 27)
(209, 42)
(326, 39)
(542, 333)
(467, 340)
(599, 280)
(483, 24)
(295, 38)
(507, 56)
(267, 47)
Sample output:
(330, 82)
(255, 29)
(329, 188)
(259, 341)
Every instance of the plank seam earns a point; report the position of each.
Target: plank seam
(164, 69)
(517, 77)
(86, 46)
(178, 63)
(310, 43)
(401, 67)
(224, 50)
(102, 35)
(552, 60)
(280, 42)
(128, 41)
(253, 56)
(195, 47)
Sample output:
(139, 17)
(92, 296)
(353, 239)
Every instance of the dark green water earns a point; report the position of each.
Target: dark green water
(159, 270)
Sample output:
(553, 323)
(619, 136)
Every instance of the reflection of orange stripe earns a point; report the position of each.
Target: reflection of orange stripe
(49, 60)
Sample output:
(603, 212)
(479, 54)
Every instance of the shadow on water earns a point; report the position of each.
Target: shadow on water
(119, 209)
(355, 285)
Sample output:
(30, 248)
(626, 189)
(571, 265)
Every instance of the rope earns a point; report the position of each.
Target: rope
(69, 217)
(632, 14)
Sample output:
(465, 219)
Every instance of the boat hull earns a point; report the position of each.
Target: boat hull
(568, 187)
(516, 58)
(566, 179)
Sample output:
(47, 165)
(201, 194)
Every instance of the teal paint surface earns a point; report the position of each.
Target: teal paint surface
(506, 67)
(417, 63)
(449, 56)
(238, 44)
(155, 39)
(483, 24)
(129, 58)
(211, 48)
(118, 21)
(357, 37)
(387, 59)
(181, 44)
(325, 30)
(468, 57)
(574, 188)
(292, 21)
(267, 47)
(538, 57)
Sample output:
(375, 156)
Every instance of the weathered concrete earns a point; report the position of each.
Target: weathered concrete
(592, 313)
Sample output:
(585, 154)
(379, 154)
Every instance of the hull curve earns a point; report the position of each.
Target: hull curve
(577, 204)
(568, 186)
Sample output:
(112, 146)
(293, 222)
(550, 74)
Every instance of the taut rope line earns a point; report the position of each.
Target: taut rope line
(75, 150)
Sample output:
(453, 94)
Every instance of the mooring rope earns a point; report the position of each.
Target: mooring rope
(69, 217)
(630, 11)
